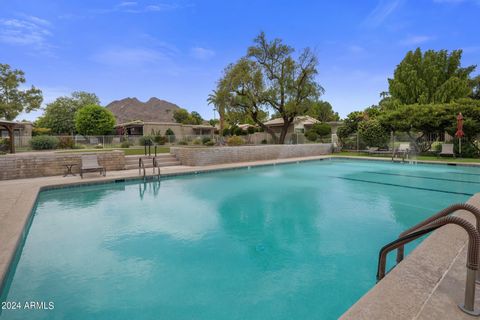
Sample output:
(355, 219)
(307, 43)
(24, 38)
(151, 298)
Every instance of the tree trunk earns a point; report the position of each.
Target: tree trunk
(283, 134)
(254, 116)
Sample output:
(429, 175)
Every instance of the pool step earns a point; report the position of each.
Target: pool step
(163, 160)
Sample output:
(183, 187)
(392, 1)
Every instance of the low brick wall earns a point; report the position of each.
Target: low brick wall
(219, 155)
(19, 166)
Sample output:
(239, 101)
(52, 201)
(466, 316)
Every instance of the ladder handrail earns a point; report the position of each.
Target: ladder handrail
(155, 165)
(472, 255)
(141, 166)
(445, 212)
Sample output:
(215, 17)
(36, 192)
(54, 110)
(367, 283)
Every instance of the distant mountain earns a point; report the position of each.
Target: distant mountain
(154, 110)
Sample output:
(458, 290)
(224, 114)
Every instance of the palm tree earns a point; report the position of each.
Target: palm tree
(218, 102)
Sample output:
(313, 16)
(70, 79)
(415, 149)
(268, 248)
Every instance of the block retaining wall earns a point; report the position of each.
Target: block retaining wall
(220, 155)
(18, 166)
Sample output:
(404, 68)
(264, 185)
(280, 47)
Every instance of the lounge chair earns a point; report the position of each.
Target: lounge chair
(447, 150)
(90, 164)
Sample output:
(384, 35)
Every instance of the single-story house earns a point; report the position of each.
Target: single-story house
(181, 131)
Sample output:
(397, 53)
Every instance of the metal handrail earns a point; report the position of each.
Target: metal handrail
(155, 165)
(472, 255)
(141, 166)
(445, 212)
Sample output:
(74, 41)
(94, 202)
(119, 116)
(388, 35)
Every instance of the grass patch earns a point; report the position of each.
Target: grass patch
(424, 158)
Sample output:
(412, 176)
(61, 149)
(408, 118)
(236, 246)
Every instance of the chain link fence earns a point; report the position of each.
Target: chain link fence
(415, 143)
(24, 143)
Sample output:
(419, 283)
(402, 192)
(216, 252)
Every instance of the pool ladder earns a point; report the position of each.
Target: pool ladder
(141, 167)
(436, 221)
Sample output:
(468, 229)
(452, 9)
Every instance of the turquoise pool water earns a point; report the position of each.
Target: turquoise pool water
(297, 241)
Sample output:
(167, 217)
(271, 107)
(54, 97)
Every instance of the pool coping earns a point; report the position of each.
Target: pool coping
(379, 302)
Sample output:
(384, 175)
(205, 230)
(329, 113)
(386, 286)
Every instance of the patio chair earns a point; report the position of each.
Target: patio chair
(403, 150)
(90, 164)
(447, 150)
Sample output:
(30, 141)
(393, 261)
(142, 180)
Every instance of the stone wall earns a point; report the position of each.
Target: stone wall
(17, 166)
(219, 155)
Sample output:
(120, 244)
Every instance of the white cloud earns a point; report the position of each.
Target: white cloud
(356, 49)
(415, 40)
(202, 53)
(29, 31)
(382, 11)
(124, 56)
(127, 4)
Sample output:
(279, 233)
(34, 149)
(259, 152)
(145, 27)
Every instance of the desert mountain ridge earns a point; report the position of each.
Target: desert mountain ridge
(153, 110)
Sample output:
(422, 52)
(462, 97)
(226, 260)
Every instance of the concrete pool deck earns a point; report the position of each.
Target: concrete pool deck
(428, 284)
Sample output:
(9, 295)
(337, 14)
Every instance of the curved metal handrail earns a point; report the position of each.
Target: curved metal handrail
(141, 166)
(155, 165)
(472, 255)
(445, 212)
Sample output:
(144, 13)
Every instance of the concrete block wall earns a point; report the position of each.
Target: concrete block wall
(18, 166)
(218, 155)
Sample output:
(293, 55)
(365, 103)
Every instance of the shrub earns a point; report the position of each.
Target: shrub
(311, 135)
(65, 143)
(197, 141)
(4, 145)
(99, 146)
(235, 141)
(226, 132)
(94, 120)
(239, 132)
(183, 143)
(160, 140)
(125, 144)
(251, 130)
(146, 141)
(468, 150)
(322, 129)
(44, 142)
(205, 140)
(264, 141)
(372, 133)
(209, 143)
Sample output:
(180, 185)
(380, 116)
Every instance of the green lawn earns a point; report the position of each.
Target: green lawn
(128, 151)
(425, 158)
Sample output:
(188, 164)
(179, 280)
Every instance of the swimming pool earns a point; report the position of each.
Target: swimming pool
(276, 242)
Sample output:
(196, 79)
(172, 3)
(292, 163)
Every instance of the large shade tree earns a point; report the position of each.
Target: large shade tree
(94, 120)
(14, 100)
(59, 116)
(323, 111)
(430, 77)
(269, 78)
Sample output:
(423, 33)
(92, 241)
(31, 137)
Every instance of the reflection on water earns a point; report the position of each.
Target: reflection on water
(283, 242)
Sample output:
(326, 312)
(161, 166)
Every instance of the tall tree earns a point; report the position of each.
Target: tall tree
(13, 100)
(184, 117)
(218, 100)
(94, 120)
(323, 111)
(59, 116)
(430, 77)
(475, 85)
(268, 77)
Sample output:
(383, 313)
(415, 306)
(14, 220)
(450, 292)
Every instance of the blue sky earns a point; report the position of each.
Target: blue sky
(176, 49)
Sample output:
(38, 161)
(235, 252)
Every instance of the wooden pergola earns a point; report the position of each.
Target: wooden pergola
(10, 126)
